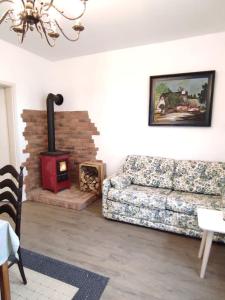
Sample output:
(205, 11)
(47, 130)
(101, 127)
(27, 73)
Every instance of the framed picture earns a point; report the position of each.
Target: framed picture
(181, 99)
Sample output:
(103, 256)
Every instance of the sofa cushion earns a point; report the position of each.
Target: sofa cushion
(187, 203)
(153, 215)
(150, 171)
(181, 220)
(199, 176)
(140, 196)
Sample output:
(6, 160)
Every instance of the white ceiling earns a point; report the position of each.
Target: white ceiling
(116, 24)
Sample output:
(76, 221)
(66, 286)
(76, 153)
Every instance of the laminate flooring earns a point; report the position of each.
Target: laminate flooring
(142, 263)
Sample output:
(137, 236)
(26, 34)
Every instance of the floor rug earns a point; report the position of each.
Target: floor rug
(52, 279)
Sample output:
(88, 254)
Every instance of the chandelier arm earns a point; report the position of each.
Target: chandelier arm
(69, 39)
(23, 3)
(49, 5)
(5, 15)
(38, 30)
(19, 24)
(24, 32)
(45, 33)
(68, 18)
(2, 1)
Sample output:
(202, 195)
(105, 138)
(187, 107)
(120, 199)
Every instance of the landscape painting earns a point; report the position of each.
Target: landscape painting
(181, 99)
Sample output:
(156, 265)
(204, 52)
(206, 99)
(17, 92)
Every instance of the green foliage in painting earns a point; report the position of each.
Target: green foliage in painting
(202, 96)
(160, 89)
(174, 100)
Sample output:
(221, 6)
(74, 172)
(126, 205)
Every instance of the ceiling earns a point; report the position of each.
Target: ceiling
(117, 24)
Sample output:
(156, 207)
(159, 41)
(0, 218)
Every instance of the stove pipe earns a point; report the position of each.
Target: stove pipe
(58, 100)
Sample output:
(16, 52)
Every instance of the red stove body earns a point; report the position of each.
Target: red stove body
(55, 171)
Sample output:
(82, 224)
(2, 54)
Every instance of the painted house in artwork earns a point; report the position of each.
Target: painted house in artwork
(177, 102)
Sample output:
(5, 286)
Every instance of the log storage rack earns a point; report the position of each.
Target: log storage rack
(91, 176)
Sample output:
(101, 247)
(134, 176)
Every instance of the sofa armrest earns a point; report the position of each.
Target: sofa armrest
(223, 198)
(121, 181)
(117, 180)
(223, 191)
(223, 201)
(106, 185)
(105, 189)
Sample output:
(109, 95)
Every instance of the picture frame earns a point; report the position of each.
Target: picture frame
(183, 99)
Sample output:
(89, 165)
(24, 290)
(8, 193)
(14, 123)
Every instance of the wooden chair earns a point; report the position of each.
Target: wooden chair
(12, 203)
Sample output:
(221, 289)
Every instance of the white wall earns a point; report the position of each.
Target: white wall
(4, 133)
(114, 88)
(30, 77)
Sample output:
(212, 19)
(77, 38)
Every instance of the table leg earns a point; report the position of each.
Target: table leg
(4, 277)
(208, 244)
(202, 246)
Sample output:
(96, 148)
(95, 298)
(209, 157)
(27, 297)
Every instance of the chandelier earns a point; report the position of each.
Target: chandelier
(41, 15)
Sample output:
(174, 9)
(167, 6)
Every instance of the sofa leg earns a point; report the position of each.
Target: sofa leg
(202, 246)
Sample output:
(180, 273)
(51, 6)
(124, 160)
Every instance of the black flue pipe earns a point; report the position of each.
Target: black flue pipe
(58, 100)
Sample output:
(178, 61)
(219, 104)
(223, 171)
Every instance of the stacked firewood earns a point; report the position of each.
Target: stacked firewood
(89, 180)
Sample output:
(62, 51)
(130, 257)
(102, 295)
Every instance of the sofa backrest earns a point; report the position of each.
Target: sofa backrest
(199, 176)
(150, 171)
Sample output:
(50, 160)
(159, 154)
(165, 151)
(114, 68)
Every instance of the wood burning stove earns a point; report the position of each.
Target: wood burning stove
(62, 169)
(55, 171)
(54, 163)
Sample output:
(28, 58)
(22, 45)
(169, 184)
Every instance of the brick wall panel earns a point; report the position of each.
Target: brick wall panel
(74, 131)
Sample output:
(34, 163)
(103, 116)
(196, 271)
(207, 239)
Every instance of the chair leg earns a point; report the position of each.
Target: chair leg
(202, 246)
(206, 253)
(4, 280)
(20, 265)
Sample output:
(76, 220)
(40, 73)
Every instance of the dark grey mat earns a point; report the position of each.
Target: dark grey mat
(91, 285)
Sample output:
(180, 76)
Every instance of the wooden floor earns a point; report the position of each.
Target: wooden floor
(142, 263)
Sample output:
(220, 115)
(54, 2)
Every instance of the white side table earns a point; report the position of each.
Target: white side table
(209, 221)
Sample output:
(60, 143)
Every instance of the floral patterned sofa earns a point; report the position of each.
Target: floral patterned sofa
(163, 193)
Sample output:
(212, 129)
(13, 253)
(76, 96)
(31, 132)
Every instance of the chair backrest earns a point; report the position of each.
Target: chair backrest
(12, 198)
